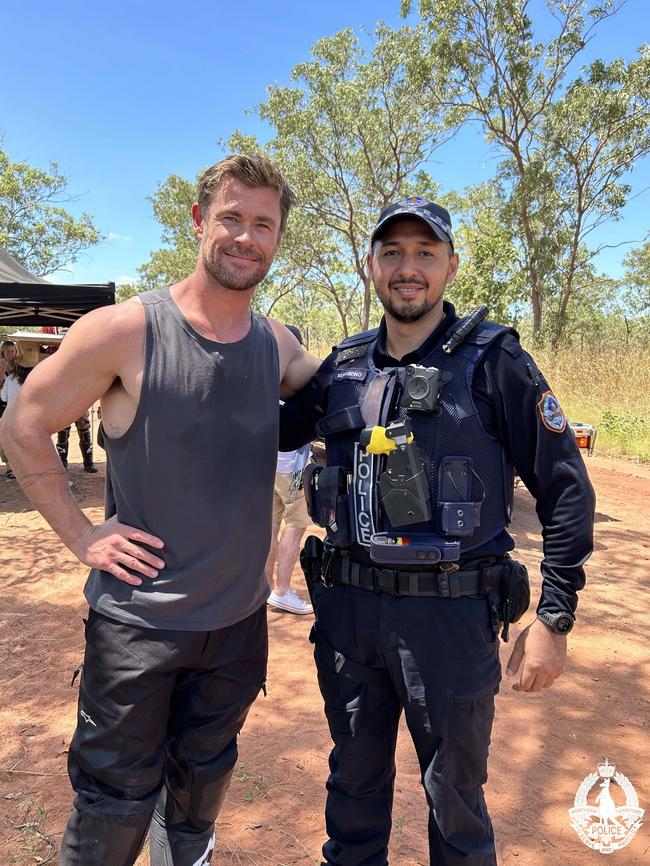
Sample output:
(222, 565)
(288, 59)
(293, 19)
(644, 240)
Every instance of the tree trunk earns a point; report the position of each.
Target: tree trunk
(537, 314)
(367, 301)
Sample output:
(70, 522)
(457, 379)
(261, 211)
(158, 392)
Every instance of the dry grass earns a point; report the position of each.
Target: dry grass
(610, 389)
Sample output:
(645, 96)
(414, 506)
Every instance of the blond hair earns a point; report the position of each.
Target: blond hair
(251, 170)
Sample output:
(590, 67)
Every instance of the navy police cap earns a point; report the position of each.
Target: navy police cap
(434, 215)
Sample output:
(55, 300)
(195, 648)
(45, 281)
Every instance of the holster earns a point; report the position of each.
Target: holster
(514, 598)
(326, 494)
(311, 562)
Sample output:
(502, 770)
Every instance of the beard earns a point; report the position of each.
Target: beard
(407, 311)
(228, 275)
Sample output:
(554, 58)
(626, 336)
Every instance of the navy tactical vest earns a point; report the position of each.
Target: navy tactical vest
(455, 431)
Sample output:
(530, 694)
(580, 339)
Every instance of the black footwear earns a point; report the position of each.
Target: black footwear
(10, 474)
(86, 447)
(62, 441)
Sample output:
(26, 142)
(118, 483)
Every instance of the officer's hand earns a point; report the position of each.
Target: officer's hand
(110, 547)
(540, 654)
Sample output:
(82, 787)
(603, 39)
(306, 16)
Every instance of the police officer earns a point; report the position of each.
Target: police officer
(425, 420)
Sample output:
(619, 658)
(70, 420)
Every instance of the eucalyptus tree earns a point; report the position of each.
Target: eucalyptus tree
(35, 226)
(567, 142)
(353, 135)
(636, 279)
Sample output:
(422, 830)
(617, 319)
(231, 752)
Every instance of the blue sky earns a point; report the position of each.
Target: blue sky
(122, 95)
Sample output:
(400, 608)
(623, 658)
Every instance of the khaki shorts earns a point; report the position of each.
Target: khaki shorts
(289, 504)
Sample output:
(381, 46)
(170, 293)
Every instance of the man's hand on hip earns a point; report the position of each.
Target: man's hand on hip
(115, 547)
(538, 656)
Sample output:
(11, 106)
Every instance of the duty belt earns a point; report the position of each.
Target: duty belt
(479, 580)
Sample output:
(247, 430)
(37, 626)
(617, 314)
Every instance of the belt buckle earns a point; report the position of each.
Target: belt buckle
(385, 580)
(448, 567)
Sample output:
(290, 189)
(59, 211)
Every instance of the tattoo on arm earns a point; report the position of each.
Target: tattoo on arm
(32, 477)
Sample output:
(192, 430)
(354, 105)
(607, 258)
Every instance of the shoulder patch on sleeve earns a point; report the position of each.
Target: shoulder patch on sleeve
(551, 414)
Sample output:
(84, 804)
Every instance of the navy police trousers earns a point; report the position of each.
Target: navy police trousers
(156, 738)
(437, 660)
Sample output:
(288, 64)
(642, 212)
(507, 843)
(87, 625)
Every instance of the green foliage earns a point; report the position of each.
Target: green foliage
(172, 203)
(353, 136)
(637, 279)
(357, 127)
(126, 290)
(625, 433)
(566, 146)
(490, 272)
(34, 226)
(624, 425)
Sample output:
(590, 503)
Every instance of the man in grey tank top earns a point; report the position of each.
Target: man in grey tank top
(176, 640)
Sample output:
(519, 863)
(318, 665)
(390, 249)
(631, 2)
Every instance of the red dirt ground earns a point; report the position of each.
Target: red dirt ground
(543, 746)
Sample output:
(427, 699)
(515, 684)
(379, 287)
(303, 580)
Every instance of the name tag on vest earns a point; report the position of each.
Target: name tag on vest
(359, 375)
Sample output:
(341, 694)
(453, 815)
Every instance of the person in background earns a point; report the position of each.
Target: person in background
(12, 377)
(83, 425)
(85, 443)
(288, 504)
(7, 364)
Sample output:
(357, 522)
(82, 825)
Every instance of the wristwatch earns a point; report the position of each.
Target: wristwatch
(560, 623)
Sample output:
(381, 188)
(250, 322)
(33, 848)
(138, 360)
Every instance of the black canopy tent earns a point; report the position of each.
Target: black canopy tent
(29, 300)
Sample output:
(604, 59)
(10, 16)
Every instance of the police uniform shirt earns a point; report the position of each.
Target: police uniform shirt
(508, 391)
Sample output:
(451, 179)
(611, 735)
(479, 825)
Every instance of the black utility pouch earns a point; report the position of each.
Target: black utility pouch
(326, 492)
(515, 594)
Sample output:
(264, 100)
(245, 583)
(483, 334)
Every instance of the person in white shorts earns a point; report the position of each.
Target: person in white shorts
(288, 504)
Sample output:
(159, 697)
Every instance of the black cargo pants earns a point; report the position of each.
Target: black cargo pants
(435, 659)
(158, 718)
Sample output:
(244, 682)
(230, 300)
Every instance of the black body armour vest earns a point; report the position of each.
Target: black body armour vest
(355, 401)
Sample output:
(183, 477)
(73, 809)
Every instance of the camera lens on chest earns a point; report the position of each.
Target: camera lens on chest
(417, 387)
(421, 388)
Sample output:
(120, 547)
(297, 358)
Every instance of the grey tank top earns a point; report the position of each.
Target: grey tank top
(196, 468)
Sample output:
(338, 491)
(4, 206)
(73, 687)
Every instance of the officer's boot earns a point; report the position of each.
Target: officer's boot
(62, 443)
(86, 445)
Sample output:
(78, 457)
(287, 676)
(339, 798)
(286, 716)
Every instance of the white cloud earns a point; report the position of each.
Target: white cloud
(117, 238)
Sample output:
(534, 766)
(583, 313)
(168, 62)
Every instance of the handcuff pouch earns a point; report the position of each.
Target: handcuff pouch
(326, 492)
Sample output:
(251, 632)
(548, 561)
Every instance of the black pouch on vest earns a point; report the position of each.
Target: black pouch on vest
(326, 492)
(342, 421)
(515, 594)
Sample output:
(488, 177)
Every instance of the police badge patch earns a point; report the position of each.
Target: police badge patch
(553, 418)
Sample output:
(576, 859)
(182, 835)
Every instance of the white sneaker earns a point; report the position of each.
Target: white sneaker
(289, 602)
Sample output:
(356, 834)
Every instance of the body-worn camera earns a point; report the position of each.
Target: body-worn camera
(422, 386)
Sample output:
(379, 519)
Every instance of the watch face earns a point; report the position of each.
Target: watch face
(563, 624)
